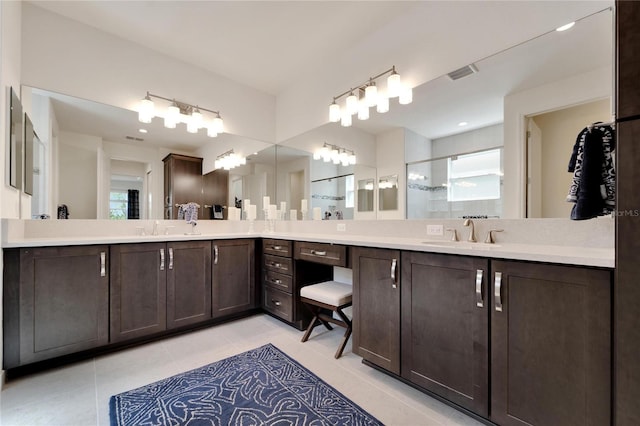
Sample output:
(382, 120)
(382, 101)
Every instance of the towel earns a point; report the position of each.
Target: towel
(593, 185)
(217, 211)
(189, 212)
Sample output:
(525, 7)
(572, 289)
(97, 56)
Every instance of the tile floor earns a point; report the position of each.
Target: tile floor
(78, 394)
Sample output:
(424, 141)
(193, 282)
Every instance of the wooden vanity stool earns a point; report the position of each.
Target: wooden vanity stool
(332, 296)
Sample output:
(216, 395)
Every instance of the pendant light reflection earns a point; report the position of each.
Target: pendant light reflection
(334, 154)
(229, 160)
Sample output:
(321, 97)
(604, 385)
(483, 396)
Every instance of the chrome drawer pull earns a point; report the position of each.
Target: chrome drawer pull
(215, 254)
(275, 302)
(170, 257)
(497, 291)
(318, 253)
(479, 301)
(162, 259)
(276, 281)
(103, 264)
(394, 281)
(277, 247)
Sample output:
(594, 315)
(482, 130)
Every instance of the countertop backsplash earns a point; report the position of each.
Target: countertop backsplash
(594, 233)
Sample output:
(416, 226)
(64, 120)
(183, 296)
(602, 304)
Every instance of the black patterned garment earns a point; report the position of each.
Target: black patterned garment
(594, 178)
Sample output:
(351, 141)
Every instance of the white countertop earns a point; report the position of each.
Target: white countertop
(599, 257)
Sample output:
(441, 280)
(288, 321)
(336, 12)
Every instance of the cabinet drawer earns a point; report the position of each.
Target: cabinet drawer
(278, 303)
(282, 265)
(279, 281)
(328, 254)
(277, 247)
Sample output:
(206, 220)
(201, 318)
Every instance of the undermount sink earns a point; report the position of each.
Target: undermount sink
(462, 244)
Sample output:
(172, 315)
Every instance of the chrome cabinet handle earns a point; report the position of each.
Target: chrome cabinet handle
(394, 281)
(479, 301)
(162, 259)
(170, 257)
(318, 253)
(497, 291)
(103, 264)
(215, 254)
(276, 247)
(276, 281)
(275, 302)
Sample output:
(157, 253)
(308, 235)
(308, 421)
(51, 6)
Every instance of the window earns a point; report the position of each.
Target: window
(118, 201)
(474, 176)
(349, 199)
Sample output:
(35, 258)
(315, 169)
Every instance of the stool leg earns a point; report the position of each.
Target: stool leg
(347, 333)
(310, 328)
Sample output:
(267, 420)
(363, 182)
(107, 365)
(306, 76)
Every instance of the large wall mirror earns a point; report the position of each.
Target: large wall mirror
(468, 153)
(15, 141)
(90, 156)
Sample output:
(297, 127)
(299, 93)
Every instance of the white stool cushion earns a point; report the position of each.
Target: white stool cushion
(329, 292)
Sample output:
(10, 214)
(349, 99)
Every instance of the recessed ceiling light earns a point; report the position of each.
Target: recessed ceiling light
(142, 130)
(566, 27)
(462, 123)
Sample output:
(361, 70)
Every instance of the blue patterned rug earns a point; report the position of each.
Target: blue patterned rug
(262, 386)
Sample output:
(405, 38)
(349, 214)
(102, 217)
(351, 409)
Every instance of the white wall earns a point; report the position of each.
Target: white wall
(78, 162)
(575, 90)
(65, 56)
(465, 142)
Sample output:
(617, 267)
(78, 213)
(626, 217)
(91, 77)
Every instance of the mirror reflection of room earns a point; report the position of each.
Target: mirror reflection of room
(547, 73)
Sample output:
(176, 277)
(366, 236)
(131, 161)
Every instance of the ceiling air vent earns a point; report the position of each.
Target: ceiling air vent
(133, 138)
(463, 72)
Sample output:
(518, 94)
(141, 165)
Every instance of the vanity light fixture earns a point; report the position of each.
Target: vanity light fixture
(366, 95)
(334, 153)
(229, 160)
(181, 112)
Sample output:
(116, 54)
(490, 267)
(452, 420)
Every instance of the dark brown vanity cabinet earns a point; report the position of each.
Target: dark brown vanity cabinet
(376, 306)
(159, 286)
(188, 267)
(56, 302)
(277, 279)
(182, 183)
(445, 332)
(138, 301)
(233, 269)
(283, 276)
(550, 344)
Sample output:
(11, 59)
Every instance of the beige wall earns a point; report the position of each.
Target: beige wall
(559, 132)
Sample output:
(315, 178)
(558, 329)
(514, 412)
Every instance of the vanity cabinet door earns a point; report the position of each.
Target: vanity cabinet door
(550, 345)
(445, 327)
(234, 274)
(138, 300)
(63, 302)
(188, 282)
(376, 306)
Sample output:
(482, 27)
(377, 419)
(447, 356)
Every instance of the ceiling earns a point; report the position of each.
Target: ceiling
(268, 44)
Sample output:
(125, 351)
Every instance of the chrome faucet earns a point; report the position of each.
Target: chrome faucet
(472, 234)
(454, 234)
(155, 228)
